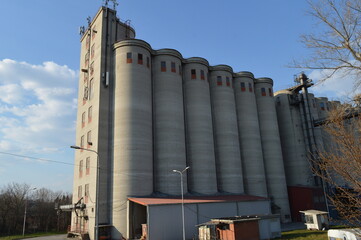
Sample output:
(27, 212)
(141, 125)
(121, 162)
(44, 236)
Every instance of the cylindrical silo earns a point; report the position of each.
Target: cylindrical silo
(227, 149)
(168, 113)
(199, 129)
(271, 146)
(295, 154)
(323, 110)
(316, 130)
(249, 135)
(133, 140)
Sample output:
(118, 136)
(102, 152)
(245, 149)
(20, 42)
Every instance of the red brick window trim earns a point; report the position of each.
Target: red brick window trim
(250, 87)
(202, 75)
(83, 119)
(193, 74)
(263, 92)
(129, 57)
(87, 166)
(90, 114)
(172, 67)
(228, 82)
(243, 87)
(140, 58)
(219, 80)
(163, 66)
(270, 92)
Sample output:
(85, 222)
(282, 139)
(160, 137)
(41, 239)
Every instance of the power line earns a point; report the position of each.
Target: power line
(40, 159)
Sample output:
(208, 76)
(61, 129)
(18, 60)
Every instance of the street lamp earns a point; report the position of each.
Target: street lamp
(181, 175)
(26, 205)
(97, 191)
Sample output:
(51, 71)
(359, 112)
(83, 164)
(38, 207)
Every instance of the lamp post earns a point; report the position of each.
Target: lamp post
(181, 175)
(26, 205)
(97, 191)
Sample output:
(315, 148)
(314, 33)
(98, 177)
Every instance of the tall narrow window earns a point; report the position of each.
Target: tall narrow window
(322, 105)
(219, 80)
(87, 42)
(91, 68)
(193, 74)
(263, 91)
(91, 89)
(94, 32)
(83, 119)
(92, 51)
(87, 166)
(202, 75)
(250, 87)
(86, 59)
(129, 57)
(86, 193)
(90, 114)
(81, 168)
(89, 138)
(148, 62)
(270, 92)
(172, 66)
(163, 66)
(80, 194)
(82, 142)
(86, 75)
(243, 87)
(228, 82)
(140, 58)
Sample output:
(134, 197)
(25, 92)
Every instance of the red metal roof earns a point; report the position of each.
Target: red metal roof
(195, 199)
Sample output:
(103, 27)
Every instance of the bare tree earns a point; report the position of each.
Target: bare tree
(337, 46)
(340, 167)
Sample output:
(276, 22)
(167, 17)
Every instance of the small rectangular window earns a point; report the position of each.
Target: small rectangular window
(129, 57)
(86, 75)
(86, 193)
(263, 91)
(243, 87)
(140, 58)
(193, 74)
(172, 67)
(219, 80)
(270, 92)
(80, 194)
(250, 87)
(163, 66)
(89, 138)
(148, 62)
(90, 114)
(228, 82)
(81, 168)
(87, 166)
(83, 119)
(202, 75)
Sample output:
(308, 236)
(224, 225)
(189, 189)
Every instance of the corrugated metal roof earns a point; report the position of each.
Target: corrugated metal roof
(194, 199)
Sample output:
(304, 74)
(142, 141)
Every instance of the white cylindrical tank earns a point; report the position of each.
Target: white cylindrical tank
(133, 140)
(227, 149)
(271, 146)
(295, 154)
(169, 129)
(199, 128)
(249, 135)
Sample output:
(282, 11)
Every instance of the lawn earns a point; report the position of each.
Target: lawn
(31, 235)
(304, 235)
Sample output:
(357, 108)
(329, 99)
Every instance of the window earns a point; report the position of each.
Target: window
(86, 94)
(263, 91)
(94, 32)
(309, 218)
(91, 89)
(129, 57)
(83, 119)
(219, 81)
(193, 74)
(313, 102)
(278, 101)
(87, 41)
(243, 87)
(322, 105)
(140, 58)
(172, 67)
(228, 82)
(270, 92)
(81, 168)
(86, 59)
(87, 166)
(82, 142)
(80, 194)
(90, 114)
(202, 75)
(86, 75)
(250, 87)
(91, 68)
(163, 66)
(86, 193)
(148, 62)
(89, 138)
(92, 51)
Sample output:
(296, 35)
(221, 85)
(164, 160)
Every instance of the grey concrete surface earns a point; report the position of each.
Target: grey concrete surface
(54, 237)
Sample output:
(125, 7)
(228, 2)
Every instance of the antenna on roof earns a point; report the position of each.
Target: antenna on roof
(115, 4)
(89, 19)
(106, 3)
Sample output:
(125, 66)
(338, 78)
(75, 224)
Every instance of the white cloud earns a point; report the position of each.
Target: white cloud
(37, 106)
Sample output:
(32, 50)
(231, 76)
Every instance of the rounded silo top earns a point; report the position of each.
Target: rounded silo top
(221, 67)
(284, 91)
(197, 60)
(168, 51)
(244, 74)
(264, 80)
(133, 42)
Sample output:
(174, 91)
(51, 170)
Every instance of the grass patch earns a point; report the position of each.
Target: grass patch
(304, 234)
(32, 235)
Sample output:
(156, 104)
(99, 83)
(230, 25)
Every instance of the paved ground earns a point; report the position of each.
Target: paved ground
(54, 237)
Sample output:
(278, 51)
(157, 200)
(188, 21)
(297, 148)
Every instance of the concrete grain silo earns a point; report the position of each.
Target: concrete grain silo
(227, 149)
(169, 128)
(133, 152)
(294, 151)
(249, 135)
(199, 128)
(317, 130)
(271, 147)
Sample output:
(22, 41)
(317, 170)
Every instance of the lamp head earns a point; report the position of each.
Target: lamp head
(75, 147)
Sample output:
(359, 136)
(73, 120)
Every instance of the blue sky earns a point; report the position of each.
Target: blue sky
(39, 64)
